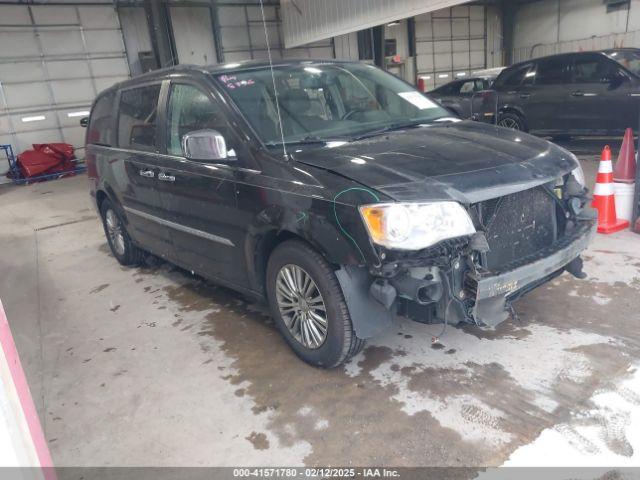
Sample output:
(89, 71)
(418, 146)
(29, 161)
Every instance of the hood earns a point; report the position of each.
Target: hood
(463, 161)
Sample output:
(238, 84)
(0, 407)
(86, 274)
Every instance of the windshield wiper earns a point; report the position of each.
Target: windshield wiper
(390, 128)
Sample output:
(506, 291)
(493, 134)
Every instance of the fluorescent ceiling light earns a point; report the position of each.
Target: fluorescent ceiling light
(83, 113)
(312, 70)
(461, 74)
(35, 118)
(443, 75)
(393, 24)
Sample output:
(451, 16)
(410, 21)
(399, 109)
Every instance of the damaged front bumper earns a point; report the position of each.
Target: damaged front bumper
(492, 291)
(457, 290)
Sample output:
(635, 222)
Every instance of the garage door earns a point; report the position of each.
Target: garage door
(193, 35)
(450, 43)
(242, 35)
(53, 61)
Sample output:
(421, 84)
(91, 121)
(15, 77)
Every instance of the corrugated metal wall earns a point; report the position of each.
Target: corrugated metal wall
(556, 26)
(308, 21)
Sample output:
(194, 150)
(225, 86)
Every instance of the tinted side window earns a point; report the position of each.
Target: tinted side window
(552, 71)
(591, 69)
(189, 110)
(137, 117)
(513, 78)
(100, 129)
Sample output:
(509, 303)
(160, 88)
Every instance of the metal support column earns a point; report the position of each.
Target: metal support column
(160, 33)
(508, 28)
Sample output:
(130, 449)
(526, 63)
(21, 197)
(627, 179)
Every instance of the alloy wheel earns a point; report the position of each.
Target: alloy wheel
(114, 230)
(301, 306)
(511, 123)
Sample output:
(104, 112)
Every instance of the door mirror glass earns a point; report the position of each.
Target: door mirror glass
(205, 145)
(84, 122)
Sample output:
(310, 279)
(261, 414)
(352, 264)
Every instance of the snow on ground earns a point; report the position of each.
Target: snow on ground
(605, 433)
(534, 362)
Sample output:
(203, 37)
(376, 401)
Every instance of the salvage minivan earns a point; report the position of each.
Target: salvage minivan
(334, 191)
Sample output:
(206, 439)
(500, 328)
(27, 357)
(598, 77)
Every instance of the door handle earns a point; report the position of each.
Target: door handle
(525, 95)
(147, 173)
(577, 94)
(166, 178)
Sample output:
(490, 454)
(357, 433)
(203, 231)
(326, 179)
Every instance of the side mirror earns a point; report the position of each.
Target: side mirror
(84, 122)
(205, 145)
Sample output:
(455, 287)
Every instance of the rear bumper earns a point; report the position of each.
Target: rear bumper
(493, 290)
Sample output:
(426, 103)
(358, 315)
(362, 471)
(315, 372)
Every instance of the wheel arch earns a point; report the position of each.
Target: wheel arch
(105, 192)
(262, 246)
(101, 196)
(369, 317)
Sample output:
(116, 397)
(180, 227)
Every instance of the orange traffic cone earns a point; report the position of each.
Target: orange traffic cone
(625, 170)
(603, 197)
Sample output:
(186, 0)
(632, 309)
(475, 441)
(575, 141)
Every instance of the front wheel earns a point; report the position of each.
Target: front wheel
(308, 305)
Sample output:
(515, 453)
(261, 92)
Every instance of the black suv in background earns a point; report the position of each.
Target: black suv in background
(343, 200)
(582, 93)
(458, 96)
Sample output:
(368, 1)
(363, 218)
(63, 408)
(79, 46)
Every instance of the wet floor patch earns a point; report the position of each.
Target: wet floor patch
(480, 392)
(327, 408)
(471, 398)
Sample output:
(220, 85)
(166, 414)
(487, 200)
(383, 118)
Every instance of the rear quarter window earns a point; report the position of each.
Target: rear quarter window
(137, 117)
(513, 77)
(100, 131)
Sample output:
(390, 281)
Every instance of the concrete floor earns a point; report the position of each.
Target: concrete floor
(152, 366)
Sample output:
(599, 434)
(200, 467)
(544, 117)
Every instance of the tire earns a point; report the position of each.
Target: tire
(121, 247)
(511, 120)
(340, 341)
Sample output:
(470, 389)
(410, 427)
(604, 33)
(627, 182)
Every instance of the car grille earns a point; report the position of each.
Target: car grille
(516, 226)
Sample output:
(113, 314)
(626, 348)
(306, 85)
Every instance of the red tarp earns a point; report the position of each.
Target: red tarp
(45, 159)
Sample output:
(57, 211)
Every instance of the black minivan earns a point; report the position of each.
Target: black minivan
(334, 191)
(582, 93)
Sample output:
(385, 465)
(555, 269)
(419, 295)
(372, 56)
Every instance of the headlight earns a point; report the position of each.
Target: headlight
(413, 226)
(578, 173)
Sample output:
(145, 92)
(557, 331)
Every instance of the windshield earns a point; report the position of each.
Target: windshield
(324, 102)
(629, 59)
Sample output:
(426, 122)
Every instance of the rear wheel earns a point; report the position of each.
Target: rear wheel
(308, 305)
(119, 241)
(511, 120)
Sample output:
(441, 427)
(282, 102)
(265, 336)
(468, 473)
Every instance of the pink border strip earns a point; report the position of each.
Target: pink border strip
(24, 394)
